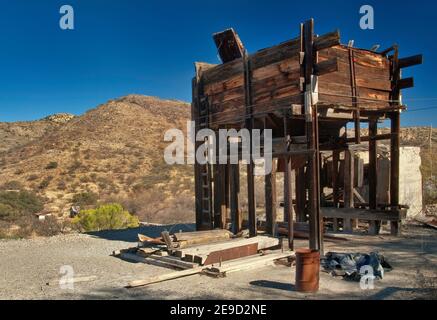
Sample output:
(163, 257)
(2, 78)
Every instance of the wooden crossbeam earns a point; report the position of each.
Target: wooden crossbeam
(406, 83)
(362, 214)
(410, 61)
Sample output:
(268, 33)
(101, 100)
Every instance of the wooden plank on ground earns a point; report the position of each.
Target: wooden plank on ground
(147, 260)
(227, 254)
(189, 236)
(251, 263)
(164, 277)
(262, 241)
(361, 214)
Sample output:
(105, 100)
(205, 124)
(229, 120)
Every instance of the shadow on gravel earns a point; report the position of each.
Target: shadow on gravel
(273, 285)
(131, 235)
(142, 294)
(419, 293)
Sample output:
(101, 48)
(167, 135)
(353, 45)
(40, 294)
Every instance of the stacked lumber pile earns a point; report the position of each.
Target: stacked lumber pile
(214, 253)
(228, 250)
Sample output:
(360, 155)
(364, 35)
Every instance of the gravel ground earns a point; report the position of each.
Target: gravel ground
(30, 269)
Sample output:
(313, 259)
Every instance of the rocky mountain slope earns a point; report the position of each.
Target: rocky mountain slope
(115, 151)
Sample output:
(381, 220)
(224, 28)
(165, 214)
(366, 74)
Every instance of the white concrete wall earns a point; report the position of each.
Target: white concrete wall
(410, 179)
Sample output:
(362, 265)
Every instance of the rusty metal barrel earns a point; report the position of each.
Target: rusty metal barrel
(307, 270)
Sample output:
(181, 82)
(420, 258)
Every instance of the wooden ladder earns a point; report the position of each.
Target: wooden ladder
(205, 171)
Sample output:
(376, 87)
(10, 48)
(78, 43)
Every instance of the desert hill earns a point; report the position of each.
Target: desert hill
(114, 151)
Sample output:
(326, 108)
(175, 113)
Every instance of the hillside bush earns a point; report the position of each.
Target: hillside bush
(15, 204)
(7, 212)
(52, 165)
(85, 199)
(12, 185)
(32, 177)
(45, 183)
(105, 217)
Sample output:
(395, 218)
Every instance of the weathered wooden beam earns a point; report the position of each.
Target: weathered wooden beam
(199, 237)
(227, 254)
(224, 189)
(373, 168)
(361, 214)
(373, 175)
(386, 136)
(394, 167)
(236, 214)
(388, 50)
(410, 61)
(229, 45)
(311, 116)
(406, 83)
(327, 66)
(348, 190)
(327, 40)
(217, 194)
(395, 140)
(271, 200)
(249, 124)
(288, 202)
(300, 194)
(164, 277)
(335, 184)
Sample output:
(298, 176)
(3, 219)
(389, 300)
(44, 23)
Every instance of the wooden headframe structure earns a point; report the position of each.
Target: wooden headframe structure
(306, 90)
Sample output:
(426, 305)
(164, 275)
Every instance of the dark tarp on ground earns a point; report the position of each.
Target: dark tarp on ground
(349, 265)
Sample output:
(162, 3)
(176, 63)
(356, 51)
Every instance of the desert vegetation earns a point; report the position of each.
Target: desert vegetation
(105, 217)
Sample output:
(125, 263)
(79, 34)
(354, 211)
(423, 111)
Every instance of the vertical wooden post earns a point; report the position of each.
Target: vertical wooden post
(373, 174)
(271, 200)
(335, 184)
(217, 187)
(251, 200)
(394, 169)
(236, 215)
(227, 191)
(300, 194)
(395, 141)
(311, 118)
(251, 166)
(288, 202)
(224, 195)
(348, 192)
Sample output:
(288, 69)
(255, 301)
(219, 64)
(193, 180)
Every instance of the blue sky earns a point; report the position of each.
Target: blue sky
(148, 47)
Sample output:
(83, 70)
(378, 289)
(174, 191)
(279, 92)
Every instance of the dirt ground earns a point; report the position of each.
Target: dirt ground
(26, 266)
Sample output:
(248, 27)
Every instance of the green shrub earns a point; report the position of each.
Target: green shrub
(85, 199)
(7, 212)
(52, 165)
(32, 177)
(45, 183)
(105, 217)
(15, 204)
(12, 185)
(74, 167)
